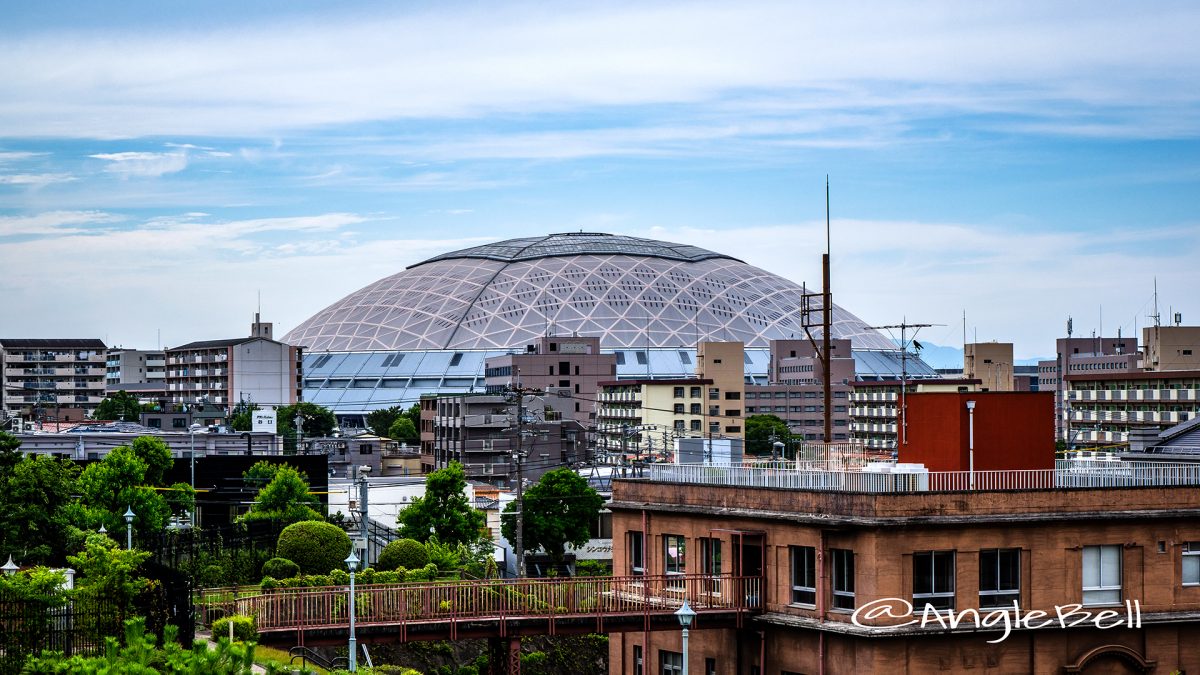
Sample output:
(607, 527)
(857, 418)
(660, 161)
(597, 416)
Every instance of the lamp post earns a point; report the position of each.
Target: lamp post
(10, 568)
(352, 564)
(777, 451)
(685, 614)
(971, 440)
(192, 457)
(129, 528)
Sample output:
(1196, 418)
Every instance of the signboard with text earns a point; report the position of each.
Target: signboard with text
(263, 420)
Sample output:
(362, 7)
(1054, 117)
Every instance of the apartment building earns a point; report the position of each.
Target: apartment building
(1171, 348)
(572, 363)
(1105, 407)
(876, 421)
(481, 432)
(136, 371)
(642, 418)
(1095, 355)
(860, 572)
(255, 369)
(52, 380)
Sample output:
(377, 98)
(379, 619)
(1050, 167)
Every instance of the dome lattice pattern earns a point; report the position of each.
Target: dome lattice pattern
(631, 292)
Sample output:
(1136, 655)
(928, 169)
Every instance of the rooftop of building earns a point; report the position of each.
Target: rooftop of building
(217, 344)
(578, 243)
(38, 343)
(831, 495)
(1140, 375)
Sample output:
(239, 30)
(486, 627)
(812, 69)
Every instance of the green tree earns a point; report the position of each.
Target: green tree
(119, 406)
(35, 499)
(157, 456)
(762, 431)
(285, 497)
(115, 483)
(403, 430)
(240, 417)
(317, 547)
(380, 421)
(559, 510)
(443, 510)
(106, 570)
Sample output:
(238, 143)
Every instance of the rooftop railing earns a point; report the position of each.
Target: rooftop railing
(892, 479)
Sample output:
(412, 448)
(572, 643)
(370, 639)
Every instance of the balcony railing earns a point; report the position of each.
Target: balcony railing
(891, 480)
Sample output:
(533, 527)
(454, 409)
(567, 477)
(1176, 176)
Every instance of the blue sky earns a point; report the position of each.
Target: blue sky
(164, 164)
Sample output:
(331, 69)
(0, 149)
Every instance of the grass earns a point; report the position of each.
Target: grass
(264, 655)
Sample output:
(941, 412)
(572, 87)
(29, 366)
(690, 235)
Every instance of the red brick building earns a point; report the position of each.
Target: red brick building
(1107, 537)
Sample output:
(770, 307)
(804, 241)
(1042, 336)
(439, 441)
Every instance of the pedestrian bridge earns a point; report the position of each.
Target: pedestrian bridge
(490, 608)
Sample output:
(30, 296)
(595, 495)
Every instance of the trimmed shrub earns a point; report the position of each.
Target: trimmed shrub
(243, 628)
(280, 568)
(407, 553)
(316, 547)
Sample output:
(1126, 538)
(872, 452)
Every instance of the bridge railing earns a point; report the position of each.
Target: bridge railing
(498, 599)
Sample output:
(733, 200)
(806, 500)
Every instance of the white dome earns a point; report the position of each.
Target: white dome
(631, 292)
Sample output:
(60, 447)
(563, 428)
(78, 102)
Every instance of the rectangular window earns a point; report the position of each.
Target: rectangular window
(638, 667)
(1102, 575)
(933, 579)
(710, 666)
(1191, 564)
(733, 396)
(999, 577)
(804, 575)
(678, 408)
(695, 426)
(714, 393)
(842, 562)
(637, 559)
(674, 554)
(694, 392)
(679, 425)
(695, 409)
(670, 663)
(678, 392)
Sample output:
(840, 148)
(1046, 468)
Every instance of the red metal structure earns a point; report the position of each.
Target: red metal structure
(495, 608)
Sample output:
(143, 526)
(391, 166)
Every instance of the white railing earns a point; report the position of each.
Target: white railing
(1067, 474)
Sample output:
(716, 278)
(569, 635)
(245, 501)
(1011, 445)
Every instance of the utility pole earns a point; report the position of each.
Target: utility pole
(822, 352)
(518, 456)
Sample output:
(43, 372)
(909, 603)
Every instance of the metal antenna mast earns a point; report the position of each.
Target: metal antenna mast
(904, 325)
(822, 352)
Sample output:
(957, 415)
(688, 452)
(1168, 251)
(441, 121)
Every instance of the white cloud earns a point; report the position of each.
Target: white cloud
(36, 179)
(144, 164)
(455, 60)
(53, 222)
(19, 155)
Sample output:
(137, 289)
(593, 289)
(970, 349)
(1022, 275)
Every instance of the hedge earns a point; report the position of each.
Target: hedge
(280, 568)
(407, 553)
(316, 547)
(243, 628)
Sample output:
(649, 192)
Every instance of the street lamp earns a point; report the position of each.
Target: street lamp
(192, 455)
(777, 451)
(971, 440)
(352, 564)
(10, 568)
(685, 614)
(129, 528)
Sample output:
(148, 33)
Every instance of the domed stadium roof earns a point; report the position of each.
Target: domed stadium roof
(631, 292)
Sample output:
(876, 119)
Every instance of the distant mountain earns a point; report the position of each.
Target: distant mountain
(939, 356)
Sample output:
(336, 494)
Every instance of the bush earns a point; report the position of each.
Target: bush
(316, 547)
(407, 553)
(243, 628)
(280, 568)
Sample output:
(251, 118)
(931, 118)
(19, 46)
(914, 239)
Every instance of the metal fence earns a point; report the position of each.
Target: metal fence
(1066, 474)
(500, 600)
(29, 627)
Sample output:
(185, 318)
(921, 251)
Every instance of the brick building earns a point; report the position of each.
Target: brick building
(1115, 537)
(570, 363)
(51, 380)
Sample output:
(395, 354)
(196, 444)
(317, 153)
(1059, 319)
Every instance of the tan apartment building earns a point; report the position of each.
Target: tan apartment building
(51, 380)
(255, 369)
(1171, 348)
(140, 372)
(637, 418)
(572, 364)
(859, 573)
(724, 364)
(991, 363)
